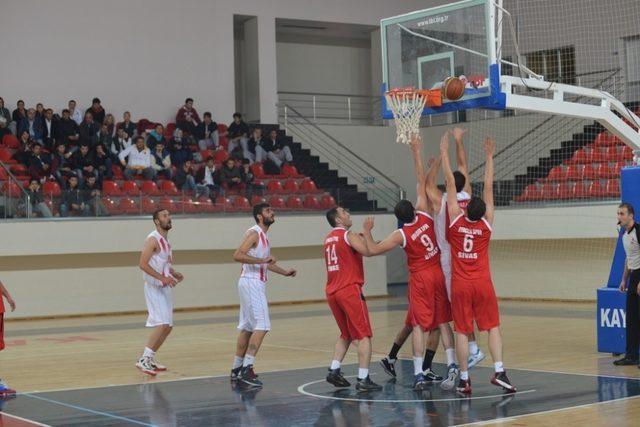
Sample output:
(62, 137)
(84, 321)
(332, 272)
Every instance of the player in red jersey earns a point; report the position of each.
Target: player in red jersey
(472, 294)
(4, 293)
(428, 303)
(345, 277)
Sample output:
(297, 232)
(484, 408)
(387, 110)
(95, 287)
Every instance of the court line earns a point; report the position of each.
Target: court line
(301, 390)
(26, 420)
(91, 411)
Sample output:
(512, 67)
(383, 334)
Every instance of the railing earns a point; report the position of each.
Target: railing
(332, 108)
(349, 164)
(14, 198)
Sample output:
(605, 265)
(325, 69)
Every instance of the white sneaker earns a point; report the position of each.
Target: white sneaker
(157, 367)
(452, 376)
(144, 364)
(474, 359)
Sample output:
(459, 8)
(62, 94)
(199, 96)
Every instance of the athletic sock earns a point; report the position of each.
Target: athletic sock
(417, 365)
(148, 352)
(464, 375)
(363, 373)
(237, 362)
(451, 356)
(498, 367)
(393, 354)
(248, 360)
(473, 347)
(428, 359)
(335, 364)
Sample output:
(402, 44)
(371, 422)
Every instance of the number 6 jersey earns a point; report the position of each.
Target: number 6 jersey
(469, 242)
(344, 264)
(419, 242)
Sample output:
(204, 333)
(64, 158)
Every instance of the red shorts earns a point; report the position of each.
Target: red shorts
(1, 329)
(349, 308)
(474, 300)
(428, 302)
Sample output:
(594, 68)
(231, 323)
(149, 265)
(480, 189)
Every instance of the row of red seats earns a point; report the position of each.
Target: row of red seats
(570, 190)
(605, 139)
(590, 154)
(590, 171)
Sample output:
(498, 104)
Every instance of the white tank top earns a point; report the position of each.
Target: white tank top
(441, 228)
(160, 261)
(261, 250)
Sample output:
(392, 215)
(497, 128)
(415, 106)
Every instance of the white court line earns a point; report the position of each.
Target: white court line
(26, 420)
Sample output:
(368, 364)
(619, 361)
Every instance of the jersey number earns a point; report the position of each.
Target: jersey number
(467, 245)
(332, 258)
(426, 241)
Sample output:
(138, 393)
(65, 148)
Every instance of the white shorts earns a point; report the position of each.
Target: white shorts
(159, 305)
(254, 310)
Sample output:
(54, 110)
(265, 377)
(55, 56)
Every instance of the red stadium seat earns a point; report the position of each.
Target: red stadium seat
(117, 171)
(255, 199)
(594, 190)
(241, 203)
(595, 155)
(3, 174)
(575, 172)
(224, 204)
(257, 170)
(111, 206)
(51, 189)
(557, 173)
(169, 188)
(308, 186)
(6, 156)
(614, 171)
(148, 205)
(291, 187)
(10, 141)
(11, 189)
(312, 202)
(205, 154)
(170, 128)
(19, 169)
(601, 170)
(580, 191)
(604, 139)
(291, 171)
(129, 206)
(277, 202)
(612, 154)
(221, 156)
(579, 157)
(627, 154)
(222, 128)
(190, 206)
(130, 188)
(566, 190)
(274, 187)
(590, 171)
(327, 201)
(550, 191)
(294, 203)
(150, 188)
(167, 203)
(111, 188)
(612, 188)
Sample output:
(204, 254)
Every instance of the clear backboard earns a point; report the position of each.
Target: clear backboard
(420, 49)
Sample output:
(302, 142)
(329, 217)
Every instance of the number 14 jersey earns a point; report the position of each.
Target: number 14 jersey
(344, 264)
(469, 242)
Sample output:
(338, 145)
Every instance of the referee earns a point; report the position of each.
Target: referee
(630, 279)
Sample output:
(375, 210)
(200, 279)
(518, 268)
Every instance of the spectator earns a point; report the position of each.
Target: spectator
(31, 125)
(161, 161)
(39, 111)
(49, 129)
(207, 133)
(187, 118)
(205, 179)
(88, 130)
(75, 113)
(67, 131)
(23, 154)
(156, 136)
(36, 200)
(83, 163)
(103, 163)
(179, 153)
(249, 180)
(238, 137)
(257, 153)
(110, 121)
(138, 161)
(61, 164)
(121, 142)
(4, 112)
(127, 125)
(39, 164)
(230, 176)
(281, 153)
(73, 200)
(19, 113)
(104, 138)
(96, 111)
(185, 181)
(4, 128)
(92, 192)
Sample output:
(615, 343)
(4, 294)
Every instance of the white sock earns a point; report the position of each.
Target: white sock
(248, 360)
(335, 364)
(392, 361)
(148, 352)
(498, 367)
(473, 347)
(464, 375)
(417, 365)
(237, 362)
(362, 373)
(451, 356)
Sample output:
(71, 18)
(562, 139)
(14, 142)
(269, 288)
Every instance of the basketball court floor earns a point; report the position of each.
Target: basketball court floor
(80, 372)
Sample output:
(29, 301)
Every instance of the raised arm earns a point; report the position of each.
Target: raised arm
(452, 200)
(358, 242)
(461, 157)
(490, 149)
(150, 247)
(418, 167)
(378, 248)
(433, 192)
(250, 240)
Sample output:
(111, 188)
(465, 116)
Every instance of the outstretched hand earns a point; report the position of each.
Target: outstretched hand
(368, 224)
(458, 133)
(444, 143)
(416, 141)
(489, 146)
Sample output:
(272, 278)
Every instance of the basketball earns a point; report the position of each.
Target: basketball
(453, 88)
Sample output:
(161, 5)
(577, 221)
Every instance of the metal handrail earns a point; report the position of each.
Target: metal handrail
(328, 94)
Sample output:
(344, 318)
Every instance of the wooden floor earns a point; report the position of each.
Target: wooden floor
(88, 352)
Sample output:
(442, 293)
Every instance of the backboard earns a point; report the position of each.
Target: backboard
(420, 49)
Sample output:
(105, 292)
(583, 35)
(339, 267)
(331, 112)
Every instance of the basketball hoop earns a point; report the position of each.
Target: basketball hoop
(407, 105)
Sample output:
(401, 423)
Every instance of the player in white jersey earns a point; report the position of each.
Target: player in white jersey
(439, 201)
(255, 255)
(159, 279)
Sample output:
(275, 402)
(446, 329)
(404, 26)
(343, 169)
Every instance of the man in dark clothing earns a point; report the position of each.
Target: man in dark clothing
(39, 164)
(231, 177)
(127, 125)
(179, 154)
(67, 131)
(207, 133)
(61, 165)
(103, 163)
(89, 130)
(96, 111)
(91, 192)
(238, 133)
(104, 138)
(185, 181)
(84, 163)
(31, 125)
(36, 200)
(73, 200)
(19, 113)
(49, 128)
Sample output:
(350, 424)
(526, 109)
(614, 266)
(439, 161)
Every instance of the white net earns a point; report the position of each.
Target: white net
(407, 106)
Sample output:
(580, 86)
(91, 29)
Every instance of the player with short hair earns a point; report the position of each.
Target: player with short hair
(472, 294)
(429, 307)
(255, 255)
(4, 293)
(345, 278)
(159, 279)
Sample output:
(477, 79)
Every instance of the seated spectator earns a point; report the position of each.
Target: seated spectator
(50, 125)
(121, 142)
(23, 154)
(254, 142)
(75, 113)
(67, 131)
(248, 180)
(231, 177)
(156, 136)
(238, 132)
(161, 161)
(207, 133)
(185, 181)
(32, 125)
(205, 178)
(19, 113)
(61, 164)
(96, 111)
(103, 163)
(178, 150)
(187, 117)
(127, 125)
(280, 153)
(138, 161)
(36, 201)
(88, 130)
(40, 111)
(83, 163)
(73, 201)
(110, 121)
(104, 138)
(4, 112)
(4, 128)
(39, 164)
(92, 195)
